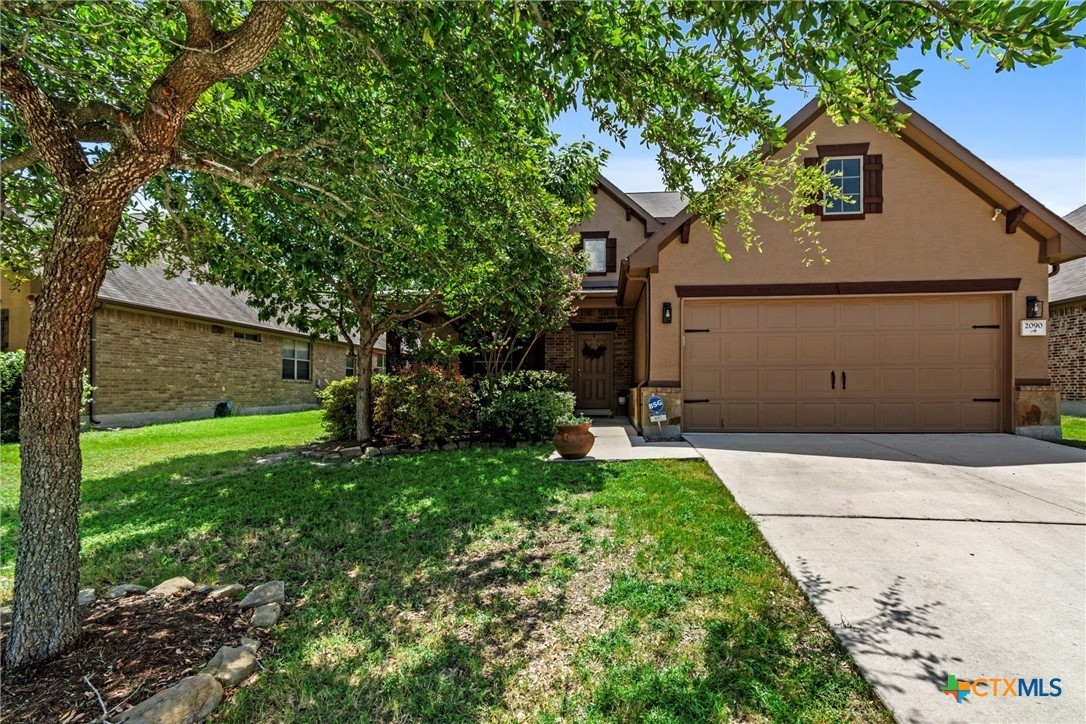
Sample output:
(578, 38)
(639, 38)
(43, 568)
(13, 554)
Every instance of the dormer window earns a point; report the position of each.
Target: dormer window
(846, 173)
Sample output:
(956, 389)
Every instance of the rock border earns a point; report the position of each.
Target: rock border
(350, 451)
(193, 698)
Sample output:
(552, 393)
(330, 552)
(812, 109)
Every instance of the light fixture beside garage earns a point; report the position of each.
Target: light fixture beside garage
(1035, 308)
(667, 312)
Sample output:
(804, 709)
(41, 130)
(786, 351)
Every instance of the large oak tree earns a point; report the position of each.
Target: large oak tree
(101, 98)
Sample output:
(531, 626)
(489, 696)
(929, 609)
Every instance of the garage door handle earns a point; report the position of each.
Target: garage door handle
(986, 399)
(985, 326)
(691, 402)
(844, 381)
(833, 380)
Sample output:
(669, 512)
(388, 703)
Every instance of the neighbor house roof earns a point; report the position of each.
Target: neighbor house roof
(1058, 239)
(1069, 284)
(661, 204)
(151, 288)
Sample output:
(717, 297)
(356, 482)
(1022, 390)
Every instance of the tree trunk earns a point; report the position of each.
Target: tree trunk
(363, 400)
(45, 618)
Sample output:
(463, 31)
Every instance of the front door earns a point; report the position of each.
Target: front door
(593, 356)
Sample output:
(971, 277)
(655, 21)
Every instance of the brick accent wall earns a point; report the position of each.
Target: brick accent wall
(1067, 350)
(149, 363)
(561, 355)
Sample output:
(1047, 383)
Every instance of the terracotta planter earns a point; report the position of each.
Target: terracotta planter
(574, 442)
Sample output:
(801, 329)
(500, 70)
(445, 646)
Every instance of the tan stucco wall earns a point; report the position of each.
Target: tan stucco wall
(610, 216)
(932, 227)
(18, 306)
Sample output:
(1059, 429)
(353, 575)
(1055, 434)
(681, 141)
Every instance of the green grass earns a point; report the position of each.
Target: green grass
(467, 585)
(1074, 430)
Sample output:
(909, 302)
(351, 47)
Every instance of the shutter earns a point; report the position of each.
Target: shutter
(815, 208)
(873, 184)
(612, 255)
(580, 244)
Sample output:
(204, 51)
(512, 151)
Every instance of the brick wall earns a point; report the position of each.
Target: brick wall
(561, 355)
(149, 363)
(1067, 350)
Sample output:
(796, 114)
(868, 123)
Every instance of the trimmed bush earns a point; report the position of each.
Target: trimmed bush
(337, 399)
(423, 404)
(523, 406)
(11, 388)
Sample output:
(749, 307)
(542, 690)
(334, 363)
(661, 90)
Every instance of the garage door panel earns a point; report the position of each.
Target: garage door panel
(777, 383)
(703, 349)
(779, 415)
(779, 348)
(741, 416)
(780, 316)
(741, 382)
(818, 315)
(701, 416)
(818, 349)
(740, 349)
(857, 348)
(898, 364)
(703, 316)
(897, 348)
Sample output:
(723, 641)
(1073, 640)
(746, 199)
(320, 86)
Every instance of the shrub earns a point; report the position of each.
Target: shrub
(337, 399)
(523, 406)
(11, 387)
(423, 404)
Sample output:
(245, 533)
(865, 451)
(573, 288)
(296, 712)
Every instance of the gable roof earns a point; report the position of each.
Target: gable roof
(1069, 284)
(150, 288)
(1059, 241)
(630, 204)
(661, 204)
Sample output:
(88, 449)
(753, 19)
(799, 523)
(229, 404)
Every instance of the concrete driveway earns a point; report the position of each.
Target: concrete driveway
(931, 555)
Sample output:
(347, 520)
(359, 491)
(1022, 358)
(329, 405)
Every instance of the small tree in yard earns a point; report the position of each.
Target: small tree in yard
(459, 235)
(104, 100)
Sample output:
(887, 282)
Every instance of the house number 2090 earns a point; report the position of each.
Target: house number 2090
(1034, 327)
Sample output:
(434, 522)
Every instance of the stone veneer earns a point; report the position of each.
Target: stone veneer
(1037, 412)
(1067, 354)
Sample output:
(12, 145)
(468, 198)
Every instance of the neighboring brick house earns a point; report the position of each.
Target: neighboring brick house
(915, 326)
(1067, 327)
(170, 349)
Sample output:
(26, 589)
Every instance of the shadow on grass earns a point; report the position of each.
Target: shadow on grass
(364, 550)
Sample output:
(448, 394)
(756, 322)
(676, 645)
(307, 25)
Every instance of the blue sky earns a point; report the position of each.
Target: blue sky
(1029, 124)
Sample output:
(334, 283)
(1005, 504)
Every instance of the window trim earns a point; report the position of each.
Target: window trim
(858, 212)
(350, 366)
(309, 360)
(380, 365)
(602, 238)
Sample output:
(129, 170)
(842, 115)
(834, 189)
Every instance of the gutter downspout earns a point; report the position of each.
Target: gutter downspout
(1055, 271)
(90, 361)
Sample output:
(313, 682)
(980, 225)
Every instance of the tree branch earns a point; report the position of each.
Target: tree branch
(201, 33)
(49, 131)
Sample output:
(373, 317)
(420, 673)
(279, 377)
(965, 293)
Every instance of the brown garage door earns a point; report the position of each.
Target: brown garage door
(910, 364)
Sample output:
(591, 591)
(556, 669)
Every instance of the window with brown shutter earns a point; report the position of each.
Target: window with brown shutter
(871, 187)
(601, 250)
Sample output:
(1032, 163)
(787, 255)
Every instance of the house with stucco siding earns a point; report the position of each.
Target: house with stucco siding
(915, 325)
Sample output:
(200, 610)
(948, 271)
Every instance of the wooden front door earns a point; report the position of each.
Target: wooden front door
(593, 355)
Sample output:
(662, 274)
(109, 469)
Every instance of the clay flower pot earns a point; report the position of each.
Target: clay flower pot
(574, 442)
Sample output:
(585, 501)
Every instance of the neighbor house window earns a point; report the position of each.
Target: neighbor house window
(350, 365)
(382, 365)
(247, 336)
(597, 256)
(295, 360)
(846, 173)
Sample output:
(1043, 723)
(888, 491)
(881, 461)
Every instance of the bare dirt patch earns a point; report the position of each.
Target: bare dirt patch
(130, 648)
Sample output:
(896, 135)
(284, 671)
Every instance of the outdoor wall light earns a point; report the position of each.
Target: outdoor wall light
(667, 312)
(1035, 308)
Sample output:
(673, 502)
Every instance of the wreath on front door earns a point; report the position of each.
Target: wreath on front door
(593, 350)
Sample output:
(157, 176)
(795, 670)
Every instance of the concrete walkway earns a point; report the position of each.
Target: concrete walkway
(929, 556)
(618, 440)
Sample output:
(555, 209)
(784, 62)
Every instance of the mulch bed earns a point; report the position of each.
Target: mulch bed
(131, 648)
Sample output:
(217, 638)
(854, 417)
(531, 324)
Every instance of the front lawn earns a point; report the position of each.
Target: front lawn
(477, 584)
(1074, 430)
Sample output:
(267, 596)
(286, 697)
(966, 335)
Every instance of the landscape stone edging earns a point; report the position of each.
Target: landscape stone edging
(353, 452)
(194, 698)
